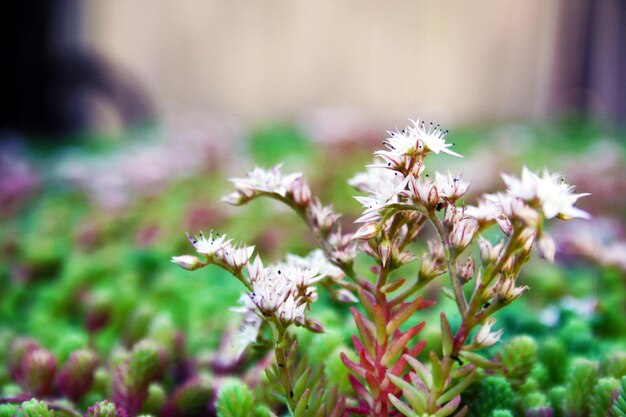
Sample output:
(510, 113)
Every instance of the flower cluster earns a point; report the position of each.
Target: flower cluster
(401, 200)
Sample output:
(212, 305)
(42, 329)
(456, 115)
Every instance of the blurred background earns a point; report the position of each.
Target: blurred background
(76, 65)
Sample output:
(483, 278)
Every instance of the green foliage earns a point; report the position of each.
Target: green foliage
(614, 365)
(518, 357)
(8, 410)
(190, 400)
(501, 413)
(34, 408)
(235, 399)
(602, 397)
(619, 404)
(580, 383)
(554, 358)
(490, 394)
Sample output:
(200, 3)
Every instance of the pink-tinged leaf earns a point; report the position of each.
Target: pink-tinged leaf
(366, 363)
(367, 301)
(373, 383)
(358, 346)
(398, 344)
(365, 328)
(353, 367)
(361, 390)
(392, 286)
(379, 320)
(404, 312)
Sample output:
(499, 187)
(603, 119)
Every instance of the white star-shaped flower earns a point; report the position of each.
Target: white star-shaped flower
(433, 137)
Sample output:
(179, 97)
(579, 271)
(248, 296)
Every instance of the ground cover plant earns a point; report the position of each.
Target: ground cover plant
(155, 342)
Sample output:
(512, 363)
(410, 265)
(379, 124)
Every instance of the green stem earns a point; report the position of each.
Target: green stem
(451, 257)
(283, 367)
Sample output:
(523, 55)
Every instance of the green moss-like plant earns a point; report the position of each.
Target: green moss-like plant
(518, 357)
(581, 381)
(492, 393)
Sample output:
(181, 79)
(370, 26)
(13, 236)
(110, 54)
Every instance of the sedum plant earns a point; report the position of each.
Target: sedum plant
(393, 372)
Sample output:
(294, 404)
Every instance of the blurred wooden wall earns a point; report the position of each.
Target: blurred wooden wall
(446, 59)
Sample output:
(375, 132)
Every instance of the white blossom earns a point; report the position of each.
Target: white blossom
(266, 181)
(382, 193)
(485, 337)
(550, 192)
(433, 137)
(317, 261)
(208, 246)
(450, 187)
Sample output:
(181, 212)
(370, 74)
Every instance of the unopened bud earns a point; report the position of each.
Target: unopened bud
(234, 199)
(488, 252)
(384, 251)
(314, 326)
(301, 192)
(466, 270)
(509, 292)
(188, 262)
(463, 232)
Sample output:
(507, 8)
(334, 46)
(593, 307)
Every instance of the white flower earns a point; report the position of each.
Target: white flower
(432, 137)
(268, 181)
(283, 291)
(450, 187)
(488, 208)
(317, 261)
(248, 330)
(550, 192)
(208, 246)
(236, 256)
(382, 193)
(399, 143)
(485, 337)
(524, 187)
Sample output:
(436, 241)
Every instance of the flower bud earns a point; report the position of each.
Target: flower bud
(508, 291)
(188, 262)
(314, 326)
(76, 377)
(463, 232)
(38, 370)
(485, 337)
(488, 252)
(234, 199)
(384, 251)
(466, 270)
(301, 192)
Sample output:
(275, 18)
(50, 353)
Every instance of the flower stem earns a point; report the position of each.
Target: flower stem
(451, 257)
